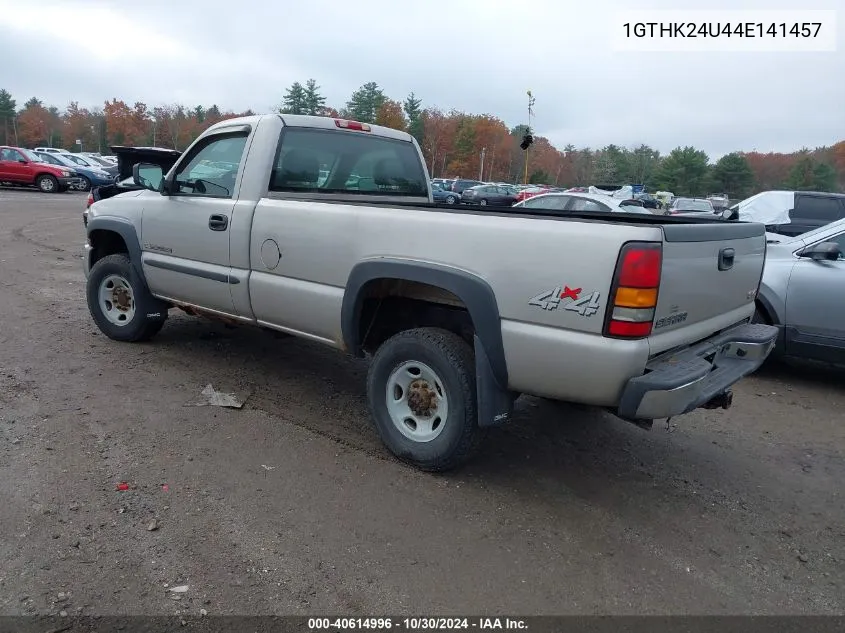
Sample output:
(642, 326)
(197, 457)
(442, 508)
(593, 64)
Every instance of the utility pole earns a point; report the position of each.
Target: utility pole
(481, 170)
(528, 139)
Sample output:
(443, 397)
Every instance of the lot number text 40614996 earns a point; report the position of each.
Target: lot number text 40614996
(416, 624)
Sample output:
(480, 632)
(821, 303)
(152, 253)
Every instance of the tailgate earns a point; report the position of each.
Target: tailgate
(709, 271)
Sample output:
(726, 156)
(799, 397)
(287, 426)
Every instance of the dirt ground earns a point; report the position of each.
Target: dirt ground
(291, 505)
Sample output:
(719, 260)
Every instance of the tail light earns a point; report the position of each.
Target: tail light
(634, 291)
(352, 125)
(90, 201)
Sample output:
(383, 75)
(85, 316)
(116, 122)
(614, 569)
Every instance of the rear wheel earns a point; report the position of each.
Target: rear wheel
(47, 184)
(422, 396)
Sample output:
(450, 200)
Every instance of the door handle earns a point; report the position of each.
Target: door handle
(218, 222)
(726, 258)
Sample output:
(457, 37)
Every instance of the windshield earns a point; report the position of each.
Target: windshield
(35, 158)
(77, 159)
(685, 204)
(46, 157)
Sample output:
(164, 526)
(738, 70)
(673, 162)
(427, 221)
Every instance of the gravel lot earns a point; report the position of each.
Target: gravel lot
(291, 505)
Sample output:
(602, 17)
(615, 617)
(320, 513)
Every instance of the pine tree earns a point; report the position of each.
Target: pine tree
(315, 103)
(294, 100)
(7, 115)
(413, 110)
(365, 103)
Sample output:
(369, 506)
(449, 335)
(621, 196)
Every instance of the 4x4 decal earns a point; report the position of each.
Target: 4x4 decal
(569, 298)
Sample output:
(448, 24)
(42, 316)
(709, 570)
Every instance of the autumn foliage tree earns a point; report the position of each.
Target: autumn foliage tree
(390, 114)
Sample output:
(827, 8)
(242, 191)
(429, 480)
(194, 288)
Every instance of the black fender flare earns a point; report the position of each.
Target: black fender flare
(154, 308)
(767, 306)
(494, 400)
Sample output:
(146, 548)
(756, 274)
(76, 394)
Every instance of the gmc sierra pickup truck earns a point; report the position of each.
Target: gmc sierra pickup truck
(325, 229)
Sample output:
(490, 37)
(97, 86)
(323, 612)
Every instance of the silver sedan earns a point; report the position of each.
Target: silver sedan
(803, 293)
(580, 202)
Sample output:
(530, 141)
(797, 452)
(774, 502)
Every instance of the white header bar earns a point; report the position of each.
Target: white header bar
(724, 31)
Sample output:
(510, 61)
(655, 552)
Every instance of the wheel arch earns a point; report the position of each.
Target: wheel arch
(108, 229)
(494, 399)
(475, 293)
(766, 307)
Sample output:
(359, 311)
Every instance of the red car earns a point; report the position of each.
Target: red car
(20, 166)
(530, 192)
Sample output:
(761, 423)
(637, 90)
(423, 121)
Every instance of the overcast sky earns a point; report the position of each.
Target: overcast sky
(473, 55)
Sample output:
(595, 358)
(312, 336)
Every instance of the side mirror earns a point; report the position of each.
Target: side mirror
(147, 176)
(23, 161)
(726, 214)
(825, 251)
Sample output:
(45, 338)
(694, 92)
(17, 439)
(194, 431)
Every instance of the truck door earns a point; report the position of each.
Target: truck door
(185, 235)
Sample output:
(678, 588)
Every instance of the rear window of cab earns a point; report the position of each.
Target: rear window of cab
(334, 161)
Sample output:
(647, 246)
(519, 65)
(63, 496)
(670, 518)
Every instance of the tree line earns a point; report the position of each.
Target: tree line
(455, 144)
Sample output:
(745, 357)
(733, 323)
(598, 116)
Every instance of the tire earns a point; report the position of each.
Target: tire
(47, 184)
(451, 199)
(108, 282)
(84, 184)
(432, 447)
(483, 203)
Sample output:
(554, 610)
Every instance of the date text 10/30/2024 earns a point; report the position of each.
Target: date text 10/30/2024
(416, 624)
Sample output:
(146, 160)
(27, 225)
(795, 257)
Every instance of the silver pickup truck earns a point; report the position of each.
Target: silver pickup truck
(325, 229)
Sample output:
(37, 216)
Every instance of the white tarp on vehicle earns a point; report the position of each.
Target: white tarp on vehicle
(768, 207)
(625, 193)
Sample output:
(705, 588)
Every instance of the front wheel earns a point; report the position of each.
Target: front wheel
(48, 184)
(116, 298)
(483, 203)
(84, 184)
(451, 199)
(422, 395)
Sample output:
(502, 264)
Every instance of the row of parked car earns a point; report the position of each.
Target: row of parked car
(53, 170)
(474, 192)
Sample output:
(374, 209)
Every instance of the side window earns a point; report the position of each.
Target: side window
(337, 161)
(839, 239)
(557, 203)
(818, 208)
(212, 168)
(584, 204)
(11, 154)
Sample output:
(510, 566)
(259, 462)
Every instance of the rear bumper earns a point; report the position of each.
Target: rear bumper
(695, 376)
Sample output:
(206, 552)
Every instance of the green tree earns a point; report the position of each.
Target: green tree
(732, 175)
(365, 103)
(642, 163)
(314, 102)
(685, 172)
(539, 177)
(7, 116)
(612, 165)
(808, 174)
(413, 110)
(199, 113)
(34, 102)
(294, 100)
